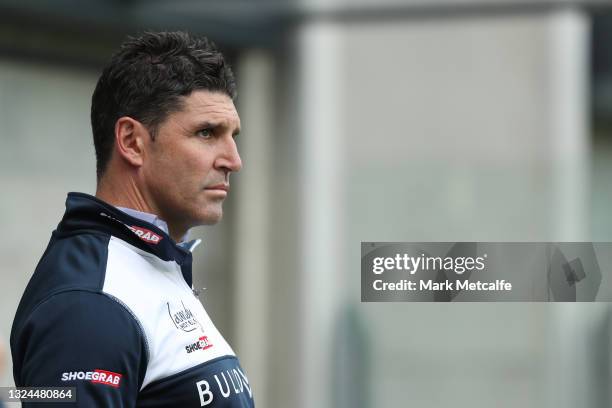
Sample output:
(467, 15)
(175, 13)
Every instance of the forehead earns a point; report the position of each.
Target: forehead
(204, 106)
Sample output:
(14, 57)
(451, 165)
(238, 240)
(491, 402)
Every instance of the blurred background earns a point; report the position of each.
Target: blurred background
(363, 120)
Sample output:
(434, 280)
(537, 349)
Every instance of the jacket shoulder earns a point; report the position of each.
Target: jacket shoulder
(70, 262)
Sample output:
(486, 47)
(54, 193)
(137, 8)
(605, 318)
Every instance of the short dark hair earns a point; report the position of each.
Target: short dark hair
(146, 80)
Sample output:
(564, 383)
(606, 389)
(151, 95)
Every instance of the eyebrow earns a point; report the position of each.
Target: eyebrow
(210, 124)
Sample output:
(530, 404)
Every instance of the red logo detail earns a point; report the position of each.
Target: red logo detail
(204, 342)
(146, 235)
(106, 378)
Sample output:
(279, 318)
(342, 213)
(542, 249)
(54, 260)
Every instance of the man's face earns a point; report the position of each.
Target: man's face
(187, 167)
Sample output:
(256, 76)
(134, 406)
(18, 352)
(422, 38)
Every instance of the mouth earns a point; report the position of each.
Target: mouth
(219, 187)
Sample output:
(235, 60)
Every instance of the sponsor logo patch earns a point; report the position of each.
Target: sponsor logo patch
(96, 376)
(145, 234)
(142, 233)
(202, 344)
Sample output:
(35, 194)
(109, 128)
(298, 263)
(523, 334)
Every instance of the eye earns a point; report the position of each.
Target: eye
(205, 133)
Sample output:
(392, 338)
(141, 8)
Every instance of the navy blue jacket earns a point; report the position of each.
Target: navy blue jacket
(110, 310)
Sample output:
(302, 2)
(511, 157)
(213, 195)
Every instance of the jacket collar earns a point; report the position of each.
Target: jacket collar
(88, 213)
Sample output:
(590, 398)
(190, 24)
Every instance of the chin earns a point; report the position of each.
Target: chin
(210, 217)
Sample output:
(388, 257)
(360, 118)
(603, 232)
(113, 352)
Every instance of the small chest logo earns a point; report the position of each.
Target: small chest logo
(202, 344)
(145, 234)
(183, 318)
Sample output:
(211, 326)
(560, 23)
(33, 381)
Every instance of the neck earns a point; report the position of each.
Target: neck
(124, 192)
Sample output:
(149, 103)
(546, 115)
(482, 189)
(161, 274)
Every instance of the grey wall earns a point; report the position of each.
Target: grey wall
(46, 152)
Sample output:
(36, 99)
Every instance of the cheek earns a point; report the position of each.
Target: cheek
(191, 173)
(167, 176)
(183, 170)
(184, 181)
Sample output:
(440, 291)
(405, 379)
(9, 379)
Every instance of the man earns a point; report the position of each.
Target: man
(110, 308)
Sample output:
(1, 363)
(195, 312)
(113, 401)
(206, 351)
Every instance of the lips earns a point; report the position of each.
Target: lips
(223, 187)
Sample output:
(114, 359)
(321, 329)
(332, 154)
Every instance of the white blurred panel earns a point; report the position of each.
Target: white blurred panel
(255, 192)
(321, 208)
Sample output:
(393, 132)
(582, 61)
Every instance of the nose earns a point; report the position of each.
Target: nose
(229, 159)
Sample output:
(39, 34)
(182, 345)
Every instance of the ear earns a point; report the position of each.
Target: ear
(130, 137)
